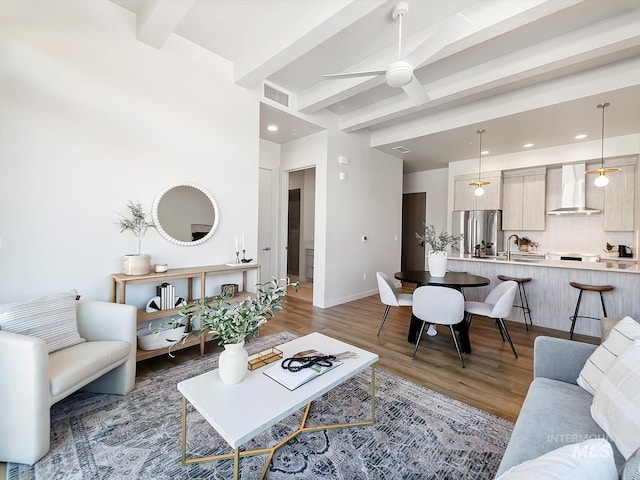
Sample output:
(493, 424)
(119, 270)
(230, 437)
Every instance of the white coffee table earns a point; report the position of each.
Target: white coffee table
(240, 412)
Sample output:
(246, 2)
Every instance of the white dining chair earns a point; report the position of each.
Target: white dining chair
(439, 306)
(390, 296)
(497, 305)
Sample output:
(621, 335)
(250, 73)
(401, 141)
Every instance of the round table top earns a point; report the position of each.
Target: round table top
(451, 279)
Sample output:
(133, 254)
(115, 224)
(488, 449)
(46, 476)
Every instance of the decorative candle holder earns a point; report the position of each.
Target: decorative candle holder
(237, 257)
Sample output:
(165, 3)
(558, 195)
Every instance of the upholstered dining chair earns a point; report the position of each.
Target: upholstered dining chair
(438, 305)
(497, 305)
(390, 296)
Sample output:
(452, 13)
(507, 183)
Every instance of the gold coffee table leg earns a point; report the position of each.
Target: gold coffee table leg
(236, 455)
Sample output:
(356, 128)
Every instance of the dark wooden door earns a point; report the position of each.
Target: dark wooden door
(414, 210)
(293, 235)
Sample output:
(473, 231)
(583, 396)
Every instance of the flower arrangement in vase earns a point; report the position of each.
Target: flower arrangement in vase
(437, 257)
(138, 224)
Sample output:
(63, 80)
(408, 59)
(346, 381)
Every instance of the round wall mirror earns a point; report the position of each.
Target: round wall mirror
(185, 214)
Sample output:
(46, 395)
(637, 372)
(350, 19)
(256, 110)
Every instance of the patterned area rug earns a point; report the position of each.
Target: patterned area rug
(419, 434)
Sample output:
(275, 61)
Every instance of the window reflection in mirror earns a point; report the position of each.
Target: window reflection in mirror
(185, 214)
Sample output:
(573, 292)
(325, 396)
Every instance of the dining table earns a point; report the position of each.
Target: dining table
(456, 280)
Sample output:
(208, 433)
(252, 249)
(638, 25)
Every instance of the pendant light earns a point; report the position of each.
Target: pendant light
(479, 191)
(602, 180)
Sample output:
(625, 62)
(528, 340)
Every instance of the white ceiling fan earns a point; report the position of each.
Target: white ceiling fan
(399, 74)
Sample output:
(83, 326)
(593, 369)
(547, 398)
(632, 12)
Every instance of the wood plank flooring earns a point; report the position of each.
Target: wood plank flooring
(492, 381)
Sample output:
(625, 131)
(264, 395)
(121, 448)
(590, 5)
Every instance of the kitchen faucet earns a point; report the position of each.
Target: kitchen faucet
(509, 245)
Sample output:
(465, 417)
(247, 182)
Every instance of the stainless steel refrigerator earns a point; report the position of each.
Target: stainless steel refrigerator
(477, 225)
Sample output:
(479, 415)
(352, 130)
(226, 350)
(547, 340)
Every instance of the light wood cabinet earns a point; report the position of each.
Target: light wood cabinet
(619, 200)
(524, 200)
(197, 275)
(464, 198)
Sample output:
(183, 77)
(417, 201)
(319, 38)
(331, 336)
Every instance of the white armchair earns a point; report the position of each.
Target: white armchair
(31, 379)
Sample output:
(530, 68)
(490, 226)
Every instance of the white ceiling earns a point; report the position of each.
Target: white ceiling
(524, 71)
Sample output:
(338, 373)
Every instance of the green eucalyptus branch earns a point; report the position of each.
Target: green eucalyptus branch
(438, 242)
(232, 322)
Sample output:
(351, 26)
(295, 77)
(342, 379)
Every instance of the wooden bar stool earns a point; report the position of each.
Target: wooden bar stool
(589, 288)
(524, 302)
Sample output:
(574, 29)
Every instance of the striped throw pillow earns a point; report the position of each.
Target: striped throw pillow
(616, 404)
(621, 337)
(51, 318)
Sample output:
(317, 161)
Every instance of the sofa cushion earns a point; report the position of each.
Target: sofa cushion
(616, 404)
(620, 338)
(51, 318)
(84, 362)
(553, 414)
(588, 460)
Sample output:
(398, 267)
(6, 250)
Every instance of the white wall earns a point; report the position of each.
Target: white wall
(92, 118)
(368, 202)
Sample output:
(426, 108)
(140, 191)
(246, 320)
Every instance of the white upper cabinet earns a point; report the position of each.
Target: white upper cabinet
(465, 199)
(524, 199)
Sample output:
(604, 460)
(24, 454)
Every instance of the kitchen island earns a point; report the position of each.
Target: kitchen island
(551, 299)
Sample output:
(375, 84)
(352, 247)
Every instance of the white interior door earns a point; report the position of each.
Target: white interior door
(265, 225)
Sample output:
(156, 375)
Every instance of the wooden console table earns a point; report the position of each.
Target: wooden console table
(119, 282)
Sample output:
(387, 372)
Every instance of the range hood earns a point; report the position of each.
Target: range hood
(573, 194)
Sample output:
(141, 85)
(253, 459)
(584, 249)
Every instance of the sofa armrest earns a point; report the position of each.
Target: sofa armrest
(25, 398)
(559, 359)
(106, 321)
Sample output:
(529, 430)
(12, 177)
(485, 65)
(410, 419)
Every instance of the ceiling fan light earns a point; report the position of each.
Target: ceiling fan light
(601, 180)
(399, 74)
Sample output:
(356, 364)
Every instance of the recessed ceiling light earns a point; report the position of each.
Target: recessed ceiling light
(581, 136)
(528, 145)
(272, 128)
(484, 152)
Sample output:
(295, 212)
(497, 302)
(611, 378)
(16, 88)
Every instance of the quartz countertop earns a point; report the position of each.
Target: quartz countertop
(613, 264)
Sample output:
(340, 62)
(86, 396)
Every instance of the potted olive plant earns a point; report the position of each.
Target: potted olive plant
(436, 258)
(137, 223)
(232, 322)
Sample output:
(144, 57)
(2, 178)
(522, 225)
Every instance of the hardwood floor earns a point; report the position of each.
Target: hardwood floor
(492, 381)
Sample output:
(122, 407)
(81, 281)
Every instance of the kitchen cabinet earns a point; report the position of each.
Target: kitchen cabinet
(464, 198)
(619, 199)
(524, 199)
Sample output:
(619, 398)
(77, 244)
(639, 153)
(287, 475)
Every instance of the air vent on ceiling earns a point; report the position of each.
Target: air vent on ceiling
(400, 149)
(276, 95)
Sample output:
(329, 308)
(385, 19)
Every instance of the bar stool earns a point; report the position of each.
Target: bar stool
(524, 302)
(589, 288)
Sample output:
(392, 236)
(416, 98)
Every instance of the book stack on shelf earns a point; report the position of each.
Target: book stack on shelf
(167, 294)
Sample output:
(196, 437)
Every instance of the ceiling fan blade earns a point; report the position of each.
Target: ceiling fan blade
(373, 73)
(416, 92)
(450, 31)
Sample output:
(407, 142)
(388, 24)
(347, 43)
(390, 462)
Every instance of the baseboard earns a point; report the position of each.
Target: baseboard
(349, 298)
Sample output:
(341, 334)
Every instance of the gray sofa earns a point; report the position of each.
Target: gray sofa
(556, 411)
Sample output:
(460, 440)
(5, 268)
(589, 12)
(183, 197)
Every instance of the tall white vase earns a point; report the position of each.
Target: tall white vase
(232, 364)
(437, 263)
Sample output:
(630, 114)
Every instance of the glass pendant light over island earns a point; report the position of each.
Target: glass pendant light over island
(602, 180)
(479, 191)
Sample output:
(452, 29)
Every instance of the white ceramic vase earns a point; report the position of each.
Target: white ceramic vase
(437, 263)
(136, 264)
(232, 365)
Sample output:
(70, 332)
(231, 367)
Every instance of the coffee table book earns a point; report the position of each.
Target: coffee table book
(293, 380)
